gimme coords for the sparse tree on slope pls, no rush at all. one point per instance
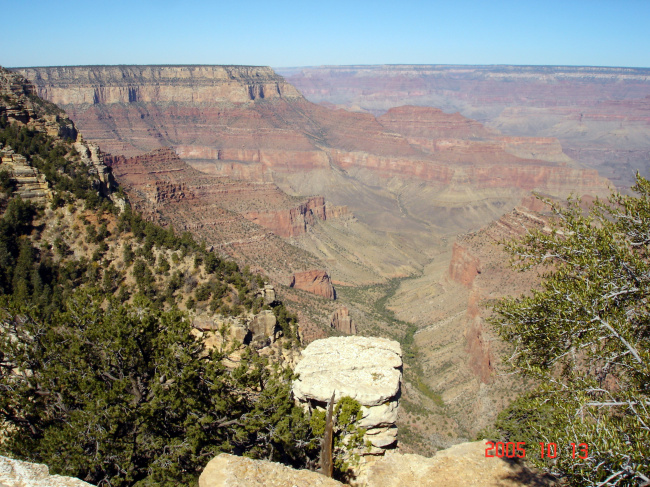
(585, 337)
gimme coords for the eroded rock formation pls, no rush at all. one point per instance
(600, 115)
(30, 183)
(249, 123)
(168, 190)
(291, 222)
(20, 106)
(317, 282)
(364, 368)
(342, 322)
(463, 465)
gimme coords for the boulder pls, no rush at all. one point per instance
(264, 328)
(382, 437)
(267, 293)
(363, 368)
(231, 471)
(463, 465)
(14, 473)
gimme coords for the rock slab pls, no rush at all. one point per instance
(463, 465)
(15, 473)
(227, 470)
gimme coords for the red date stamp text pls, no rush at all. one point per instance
(546, 450)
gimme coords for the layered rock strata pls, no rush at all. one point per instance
(215, 209)
(363, 368)
(162, 177)
(20, 106)
(30, 183)
(316, 282)
(600, 115)
(463, 266)
(249, 123)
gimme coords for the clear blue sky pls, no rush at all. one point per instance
(308, 33)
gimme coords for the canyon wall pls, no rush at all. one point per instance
(249, 123)
(92, 85)
(600, 115)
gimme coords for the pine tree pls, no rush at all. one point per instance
(125, 394)
(585, 338)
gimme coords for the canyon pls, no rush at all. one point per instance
(600, 115)
(393, 213)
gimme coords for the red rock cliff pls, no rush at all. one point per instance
(293, 221)
(316, 282)
(342, 322)
(464, 267)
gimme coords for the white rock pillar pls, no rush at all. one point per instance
(364, 368)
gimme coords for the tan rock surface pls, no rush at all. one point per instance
(231, 471)
(367, 369)
(364, 368)
(463, 465)
(264, 327)
(15, 473)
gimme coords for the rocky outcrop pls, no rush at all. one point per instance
(364, 368)
(226, 470)
(260, 330)
(264, 328)
(93, 157)
(93, 85)
(342, 322)
(317, 282)
(20, 106)
(30, 183)
(463, 465)
(463, 267)
(478, 348)
(14, 473)
(291, 222)
(267, 293)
